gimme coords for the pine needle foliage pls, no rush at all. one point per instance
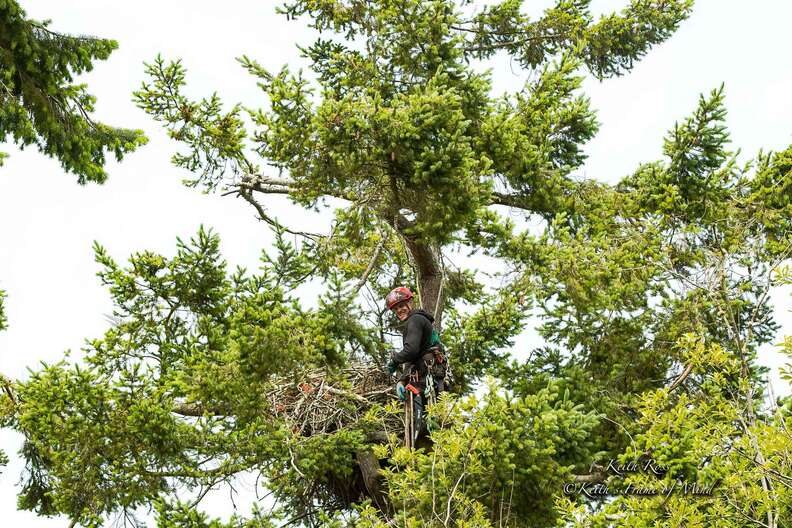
(41, 105)
(652, 296)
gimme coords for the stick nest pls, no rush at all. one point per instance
(320, 402)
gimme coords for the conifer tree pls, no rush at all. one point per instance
(40, 104)
(652, 293)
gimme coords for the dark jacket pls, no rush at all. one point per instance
(417, 337)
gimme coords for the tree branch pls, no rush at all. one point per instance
(681, 378)
(519, 201)
(198, 410)
(589, 478)
(268, 180)
(245, 192)
(513, 43)
(370, 266)
(8, 388)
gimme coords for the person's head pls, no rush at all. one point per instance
(402, 310)
(400, 301)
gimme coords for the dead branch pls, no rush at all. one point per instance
(685, 373)
(370, 266)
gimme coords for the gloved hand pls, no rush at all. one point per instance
(401, 392)
(391, 367)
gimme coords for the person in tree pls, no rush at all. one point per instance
(421, 356)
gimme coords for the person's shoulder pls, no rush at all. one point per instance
(420, 317)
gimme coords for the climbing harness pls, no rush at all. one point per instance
(434, 367)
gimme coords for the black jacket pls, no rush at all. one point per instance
(417, 337)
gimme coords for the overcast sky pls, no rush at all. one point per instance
(48, 222)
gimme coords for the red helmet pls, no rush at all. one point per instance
(398, 295)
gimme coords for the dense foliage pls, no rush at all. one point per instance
(653, 296)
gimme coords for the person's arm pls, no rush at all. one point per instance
(412, 342)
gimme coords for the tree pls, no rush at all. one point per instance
(404, 128)
(41, 106)
(724, 448)
(652, 291)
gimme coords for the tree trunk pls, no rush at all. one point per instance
(428, 269)
(370, 469)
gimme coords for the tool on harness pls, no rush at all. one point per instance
(434, 363)
(422, 385)
(413, 410)
(409, 422)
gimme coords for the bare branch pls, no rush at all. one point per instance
(685, 373)
(590, 478)
(268, 180)
(245, 192)
(597, 473)
(370, 266)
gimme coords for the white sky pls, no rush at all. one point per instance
(48, 222)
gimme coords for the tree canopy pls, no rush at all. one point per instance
(653, 296)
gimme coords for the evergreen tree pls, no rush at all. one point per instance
(652, 292)
(39, 103)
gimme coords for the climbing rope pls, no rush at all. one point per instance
(409, 426)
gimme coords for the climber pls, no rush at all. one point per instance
(421, 352)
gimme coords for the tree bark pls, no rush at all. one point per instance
(429, 275)
(370, 469)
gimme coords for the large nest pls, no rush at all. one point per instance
(320, 402)
(316, 402)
